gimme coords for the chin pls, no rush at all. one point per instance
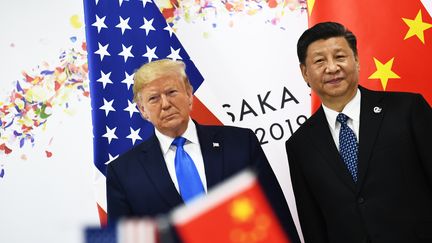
(339, 89)
(175, 124)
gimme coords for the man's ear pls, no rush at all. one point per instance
(357, 62)
(189, 91)
(142, 112)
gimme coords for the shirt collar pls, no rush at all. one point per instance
(352, 110)
(190, 134)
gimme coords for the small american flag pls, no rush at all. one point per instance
(121, 36)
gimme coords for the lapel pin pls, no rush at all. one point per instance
(215, 145)
(377, 109)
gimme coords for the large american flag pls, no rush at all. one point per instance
(121, 36)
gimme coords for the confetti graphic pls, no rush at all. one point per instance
(38, 94)
(215, 11)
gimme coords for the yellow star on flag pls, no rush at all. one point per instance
(310, 4)
(242, 209)
(416, 27)
(383, 72)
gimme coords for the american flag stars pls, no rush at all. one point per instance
(150, 53)
(107, 106)
(123, 25)
(147, 26)
(131, 108)
(110, 134)
(102, 51)
(175, 54)
(105, 79)
(134, 135)
(126, 52)
(128, 80)
(169, 29)
(144, 2)
(100, 23)
(111, 158)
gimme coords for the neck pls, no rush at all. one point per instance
(338, 104)
(174, 133)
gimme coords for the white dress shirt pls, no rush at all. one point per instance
(192, 147)
(352, 110)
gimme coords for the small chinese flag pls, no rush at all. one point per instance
(236, 211)
(394, 41)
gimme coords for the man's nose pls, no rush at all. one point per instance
(331, 66)
(165, 102)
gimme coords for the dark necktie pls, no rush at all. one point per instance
(348, 147)
(190, 184)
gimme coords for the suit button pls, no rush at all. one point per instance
(360, 200)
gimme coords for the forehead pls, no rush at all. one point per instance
(332, 44)
(163, 82)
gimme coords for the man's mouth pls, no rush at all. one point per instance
(334, 80)
(167, 117)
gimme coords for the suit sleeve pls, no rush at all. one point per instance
(310, 216)
(116, 198)
(272, 188)
(421, 120)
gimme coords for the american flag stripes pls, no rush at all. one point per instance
(121, 36)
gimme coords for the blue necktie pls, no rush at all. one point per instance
(187, 174)
(348, 147)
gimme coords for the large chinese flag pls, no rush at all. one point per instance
(236, 211)
(394, 41)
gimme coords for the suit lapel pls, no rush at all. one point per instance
(154, 164)
(372, 111)
(212, 152)
(323, 140)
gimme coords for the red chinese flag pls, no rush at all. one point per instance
(236, 211)
(394, 41)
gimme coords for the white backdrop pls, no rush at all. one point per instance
(44, 199)
(245, 58)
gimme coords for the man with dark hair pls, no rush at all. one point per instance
(361, 166)
(324, 31)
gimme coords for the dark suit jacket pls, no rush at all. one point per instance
(139, 184)
(392, 200)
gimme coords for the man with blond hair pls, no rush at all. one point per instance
(149, 180)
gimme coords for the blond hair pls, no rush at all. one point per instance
(151, 71)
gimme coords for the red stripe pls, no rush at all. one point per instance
(202, 115)
(102, 216)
